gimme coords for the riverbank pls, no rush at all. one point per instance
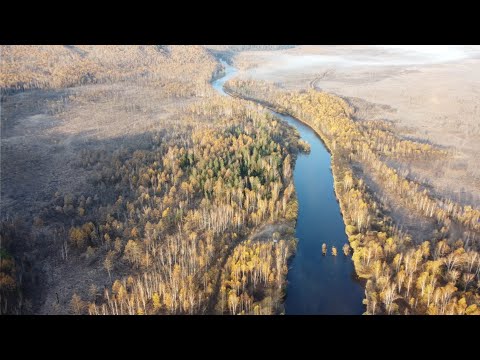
(317, 284)
(425, 95)
(279, 233)
(383, 251)
(336, 169)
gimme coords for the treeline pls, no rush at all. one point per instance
(440, 276)
(405, 277)
(256, 267)
(236, 48)
(15, 272)
(9, 283)
(332, 118)
(384, 141)
(176, 70)
(177, 207)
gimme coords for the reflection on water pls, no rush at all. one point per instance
(230, 72)
(317, 284)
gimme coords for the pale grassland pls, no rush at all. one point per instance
(429, 100)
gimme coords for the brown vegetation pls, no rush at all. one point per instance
(56, 66)
(169, 180)
(174, 219)
(404, 275)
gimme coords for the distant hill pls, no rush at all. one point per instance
(237, 48)
(227, 52)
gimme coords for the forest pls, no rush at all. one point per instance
(175, 220)
(164, 224)
(405, 274)
(169, 68)
(132, 187)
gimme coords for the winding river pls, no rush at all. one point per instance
(317, 284)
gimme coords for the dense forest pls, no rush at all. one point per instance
(405, 274)
(175, 219)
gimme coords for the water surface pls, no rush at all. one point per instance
(317, 284)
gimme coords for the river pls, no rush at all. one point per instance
(317, 284)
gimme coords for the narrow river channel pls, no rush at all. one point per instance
(317, 284)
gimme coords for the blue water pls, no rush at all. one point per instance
(230, 72)
(317, 284)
